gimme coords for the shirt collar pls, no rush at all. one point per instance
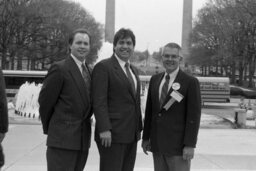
(79, 63)
(120, 61)
(173, 74)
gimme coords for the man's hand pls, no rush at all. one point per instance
(106, 138)
(188, 153)
(2, 135)
(146, 146)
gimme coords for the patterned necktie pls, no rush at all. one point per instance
(129, 75)
(86, 77)
(164, 90)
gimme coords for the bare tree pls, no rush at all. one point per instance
(227, 29)
(37, 31)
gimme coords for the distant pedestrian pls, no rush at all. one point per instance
(242, 104)
(3, 116)
(172, 116)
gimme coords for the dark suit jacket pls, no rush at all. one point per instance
(169, 131)
(3, 106)
(115, 106)
(65, 107)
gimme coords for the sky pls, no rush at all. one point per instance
(154, 22)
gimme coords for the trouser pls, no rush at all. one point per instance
(170, 163)
(1, 156)
(117, 157)
(65, 160)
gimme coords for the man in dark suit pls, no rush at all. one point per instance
(65, 107)
(116, 105)
(172, 116)
(3, 116)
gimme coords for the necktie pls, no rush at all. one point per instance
(129, 75)
(164, 89)
(86, 77)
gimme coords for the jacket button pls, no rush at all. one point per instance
(159, 114)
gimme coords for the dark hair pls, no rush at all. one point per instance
(80, 30)
(122, 34)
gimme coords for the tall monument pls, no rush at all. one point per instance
(186, 27)
(110, 21)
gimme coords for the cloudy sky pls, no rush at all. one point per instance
(154, 22)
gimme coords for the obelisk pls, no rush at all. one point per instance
(186, 27)
(110, 21)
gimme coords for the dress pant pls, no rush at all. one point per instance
(117, 157)
(1, 156)
(65, 160)
(170, 163)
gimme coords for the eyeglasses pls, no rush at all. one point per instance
(171, 56)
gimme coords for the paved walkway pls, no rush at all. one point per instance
(219, 149)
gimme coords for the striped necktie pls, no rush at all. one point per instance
(164, 90)
(129, 75)
(86, 76)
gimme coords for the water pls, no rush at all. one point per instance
(27, 100)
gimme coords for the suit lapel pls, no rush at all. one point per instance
(122, 75)
(178, 79)
(78, 79)
(156, 88)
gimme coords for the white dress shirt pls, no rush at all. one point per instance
(122, 64)
(172, 78)
(78, 63)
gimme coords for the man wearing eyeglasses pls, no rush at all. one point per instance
(172, 116)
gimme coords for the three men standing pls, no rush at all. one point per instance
(116, 105)
(172, 116)
(65, 107)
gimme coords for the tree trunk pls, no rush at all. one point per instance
(19, 60)
(245, 73)
(241, 71)
(4, 59)
(221, 69)
(28, 63)
(32, 64)
(233, 73)
(12, 60)
(251, 72)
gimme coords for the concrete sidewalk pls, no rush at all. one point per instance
(217, 150)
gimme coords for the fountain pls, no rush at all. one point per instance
(27, 100)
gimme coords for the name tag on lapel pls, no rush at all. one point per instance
(176, 96)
